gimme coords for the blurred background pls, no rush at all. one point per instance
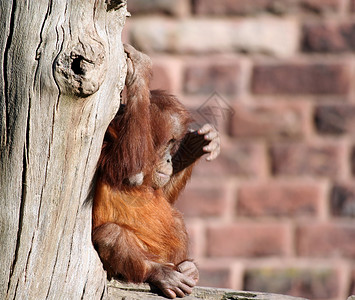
(276, 211)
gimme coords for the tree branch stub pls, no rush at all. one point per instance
(82, 70)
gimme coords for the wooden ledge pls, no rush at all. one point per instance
(126, 291)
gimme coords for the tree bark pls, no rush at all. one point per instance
(62, 70)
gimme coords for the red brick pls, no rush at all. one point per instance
(215, 110)
(196, 236)
(329, 37)
(352, 280)
(166, 74)
(273, 120)
(203, 201)
(161, 78)
(335, 119)
(212, 77)
(247, 240)
(219, 277)
(326, 240)
(301, 159)
(275, 36)
(176, 8)
(245, 160)
(310, 283)
(319, 6)
(278, 199)
(242, 7)
(342, 200)
(314, 78)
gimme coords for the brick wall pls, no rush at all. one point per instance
(275, 212)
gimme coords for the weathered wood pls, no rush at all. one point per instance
(119, 290)
(62, 71)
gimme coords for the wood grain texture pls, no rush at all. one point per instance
(118, 290)
(62, 68)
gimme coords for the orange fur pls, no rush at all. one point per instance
(146, 213)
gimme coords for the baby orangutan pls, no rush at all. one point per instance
(146, 160)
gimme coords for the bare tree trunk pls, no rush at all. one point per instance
(62, 70)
